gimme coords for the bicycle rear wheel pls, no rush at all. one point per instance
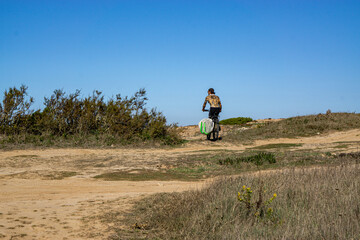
(208, 136)
(216, 132)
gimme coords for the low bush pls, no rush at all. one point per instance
(236, 121)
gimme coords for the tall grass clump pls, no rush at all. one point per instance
(79, 120)
(258, 159)
(312, 203)
(300, 126)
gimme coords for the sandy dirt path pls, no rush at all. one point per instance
(51, 193)
(67, 209)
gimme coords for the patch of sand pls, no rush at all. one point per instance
(55, 209)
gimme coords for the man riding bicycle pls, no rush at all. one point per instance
(215, 109)
(215, 103)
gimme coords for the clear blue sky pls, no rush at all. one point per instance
(265, 59)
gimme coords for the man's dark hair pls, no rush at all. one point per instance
(211, 90)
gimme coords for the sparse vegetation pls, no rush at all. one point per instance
(184, 174)
(59, 175)
(68, 119)
(257, 159)
(236, 121)
(299, 127)
(313, 203)
(278, 145)
(198, 167)
(45, 175)
(342, 146)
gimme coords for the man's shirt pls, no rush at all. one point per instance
(213, 100)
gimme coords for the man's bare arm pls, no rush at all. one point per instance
(204, 105)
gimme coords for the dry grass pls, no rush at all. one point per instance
(278, 145)
(26, 141)
(312, 203)
(299, 127)
(44, 175)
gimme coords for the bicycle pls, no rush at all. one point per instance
(215, 132)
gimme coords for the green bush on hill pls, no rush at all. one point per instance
(68, 116)
(236, 121)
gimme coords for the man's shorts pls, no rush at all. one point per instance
(214, 112)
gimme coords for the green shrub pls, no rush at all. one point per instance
(15, 110)
(120, 119)
(236, 121)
